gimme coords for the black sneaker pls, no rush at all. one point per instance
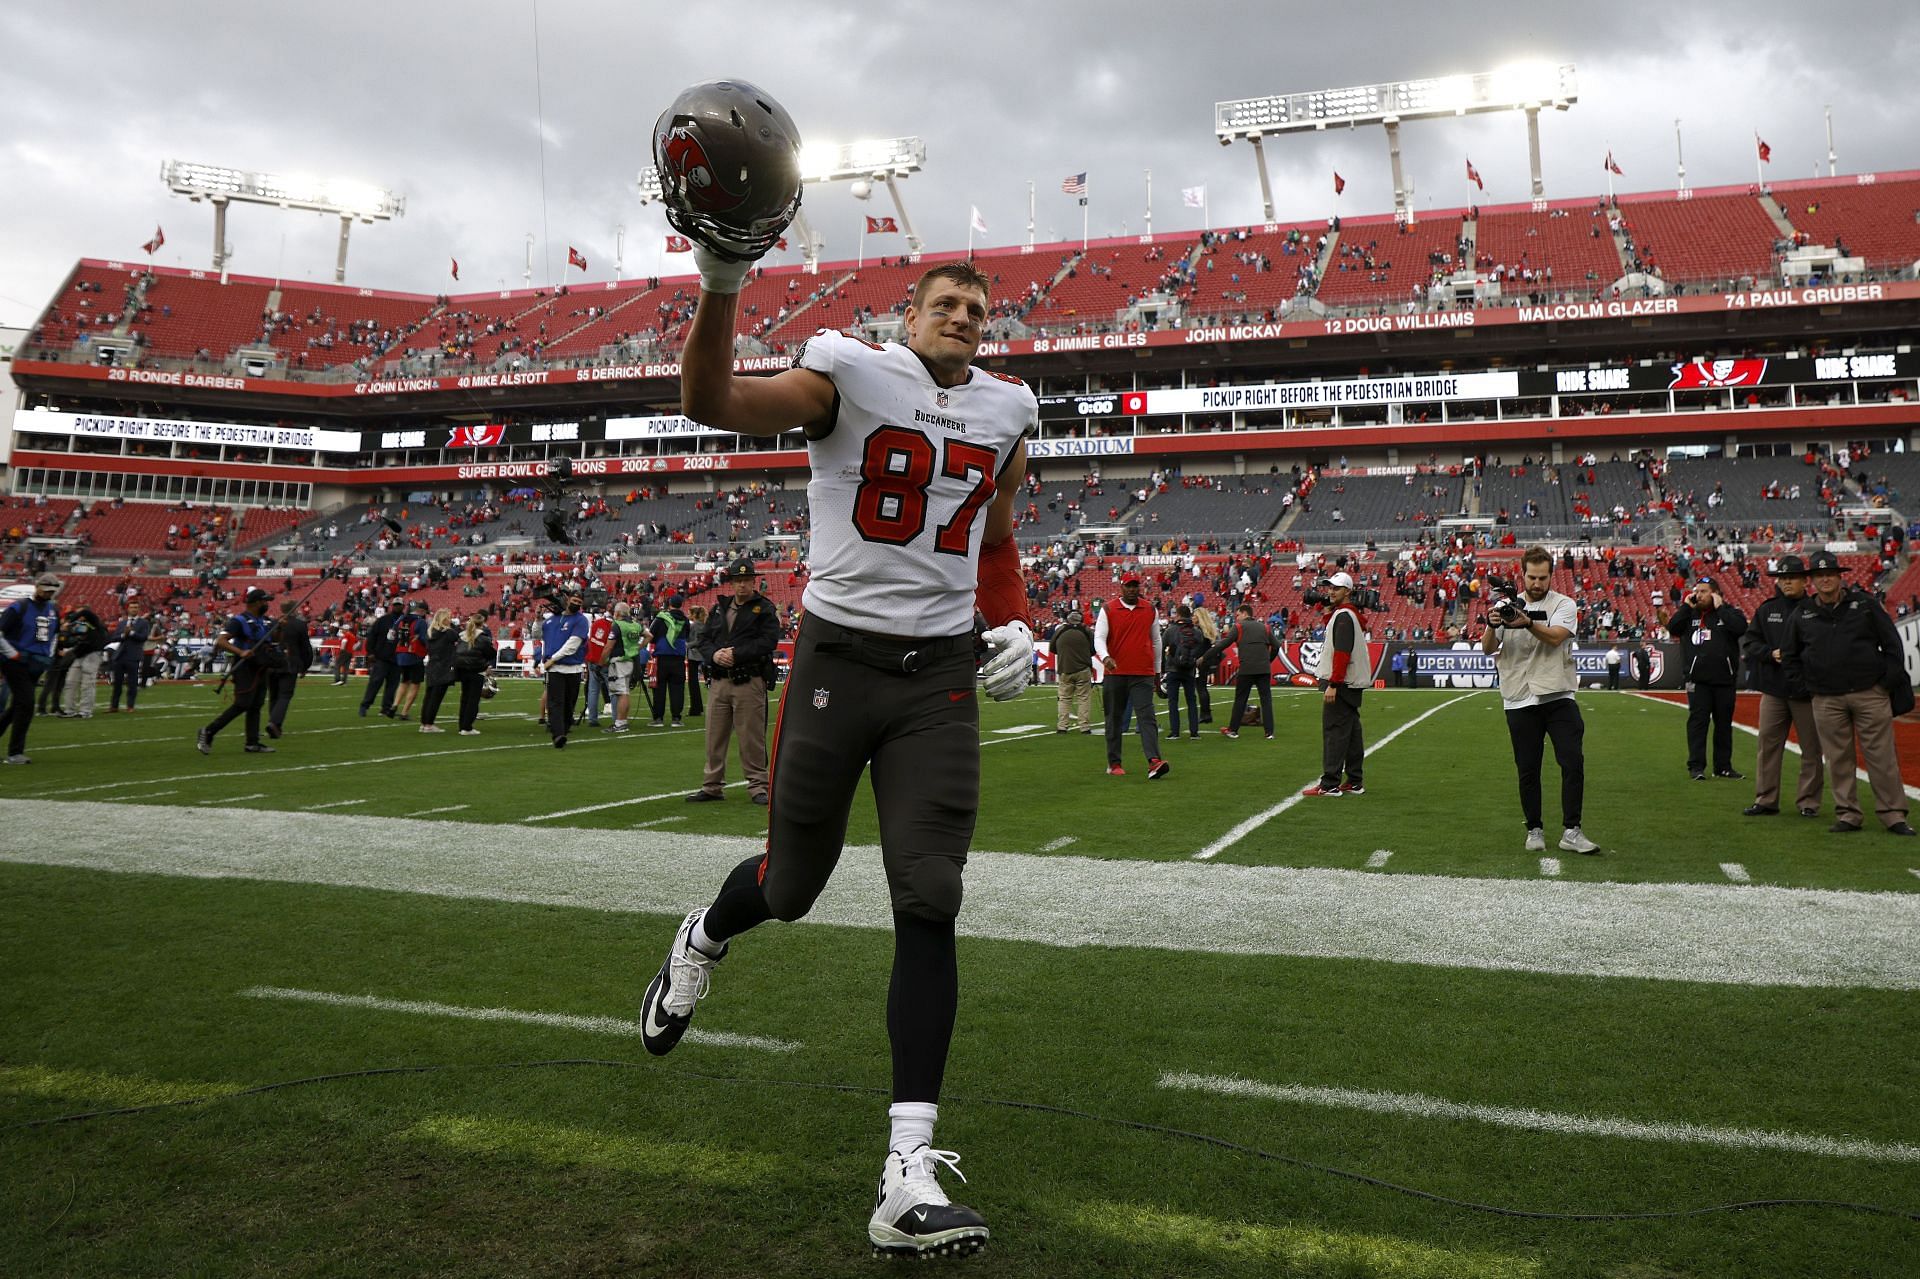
(1759, 810)
(1901, 828)
(1697, 775)
(203, 742)
(259, 748)
(1809, 812)
(560, 742)
(273, 731)
(1731, 774)
(704, 797)
(912, 1216)
(1843, 828)
(667, 1007)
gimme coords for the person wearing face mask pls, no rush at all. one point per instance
(244, 641)
(29, 628)
(1783, 706)
(563, 641)
(1708, 629)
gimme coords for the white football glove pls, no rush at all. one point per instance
(1007, 670)
(717, 274)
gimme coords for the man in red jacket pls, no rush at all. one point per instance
(1126, 640)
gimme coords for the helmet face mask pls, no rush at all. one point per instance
(729, 162)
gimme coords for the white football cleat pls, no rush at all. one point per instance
(914, 1218)
(682, 982)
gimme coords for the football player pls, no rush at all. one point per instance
(916, 459)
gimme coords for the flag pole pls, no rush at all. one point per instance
(1759, 165)
(1083, 222)
(1149, 203)
(1609, 173)
(861, 260)
(1029, 214)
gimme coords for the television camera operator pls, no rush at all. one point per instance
(1530, 637)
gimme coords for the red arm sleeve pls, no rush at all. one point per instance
(1342, 639)
(1001, 596)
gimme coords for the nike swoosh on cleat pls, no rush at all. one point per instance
(650, 1027)
(920, 1214)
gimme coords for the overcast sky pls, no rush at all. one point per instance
(443, 102)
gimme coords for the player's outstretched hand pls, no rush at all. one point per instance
(718, 274)
(1011, 662)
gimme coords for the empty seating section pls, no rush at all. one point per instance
(1706, 238)
(261, 524)
(1740, 481)
(188, 316)
(1267, 264)
(1578, 247)
(1108, 279)
(1894, 476)
(383, 322)
(1877, 222)
(1403, 259)
(880, 287)
(1236, 508)
(33, 517)
(1376, 503)
(1546, 486)
(626, 311)
(781, 293)
(142, 526)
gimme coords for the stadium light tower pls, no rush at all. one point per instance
(1526, 86)
(341, 197)
(876, 160)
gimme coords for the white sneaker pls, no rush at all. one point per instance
(1536, 840)
(682, 982)
(913, 1216)
(469, 732)
(1575, 841)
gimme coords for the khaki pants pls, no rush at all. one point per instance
(1777, 716)
(83, 684)
(1865, 715)
(1076, 701)
(737, 708)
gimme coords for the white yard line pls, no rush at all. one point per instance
(233, 799)
(1019, 728)
(1550, 866)
(1735, 872)
(450, 808)
(658, 821)
(1422, 1107)
(150, 795)
(1749, 935)
(186, 739)
(338, 803)
(564, 1021)
(1379, 859)
(1258, 820)
(617, 803)
(1027, 736)
(1913, 792)
(1055, 845)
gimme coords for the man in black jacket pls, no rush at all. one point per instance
(739, 639)
(296, 646)
(83, 643)
(383, 680)
(1708, 631)
(1842, 645)
(1782, 707)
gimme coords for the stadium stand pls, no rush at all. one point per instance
(186, 317)
(1741, 485)
(142, 527)
(1879, 222)
(1105, 281)
(1272, 267)
(1707, 237)
(1377, 261)
(1378, 503)
(1574, 245)
(1532, 498)
(1232, 507)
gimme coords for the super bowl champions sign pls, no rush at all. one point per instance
(1465, 666)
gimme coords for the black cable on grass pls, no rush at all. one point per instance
(1034, 1107)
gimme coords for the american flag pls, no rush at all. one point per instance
(1074, 184)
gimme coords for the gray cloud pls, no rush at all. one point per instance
(437, 100)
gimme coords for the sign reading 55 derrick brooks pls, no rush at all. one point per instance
(162, 430)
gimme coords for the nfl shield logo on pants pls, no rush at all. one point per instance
(819, 699)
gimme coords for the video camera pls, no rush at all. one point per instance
(1505, 605)
(1363, 598)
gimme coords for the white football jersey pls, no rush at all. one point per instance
(901, 485)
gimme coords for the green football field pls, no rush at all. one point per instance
(1207, 1027)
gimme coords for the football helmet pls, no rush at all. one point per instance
(729, 163)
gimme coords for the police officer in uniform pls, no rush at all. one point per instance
(1782, 707)
(244, 640)
(1708, 630)
(1842, 645)
(739, 639)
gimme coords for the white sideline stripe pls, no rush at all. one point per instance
(1914, 872)
(234, 799)
(450, 808)
(150, 795)
(565, 1021)
(658, 821)
(338, 803)
(1549, 866)
(1735, 872)
(617, 803)
(1379, 859)
(185, 740)
(1717, 933)
(1792, 743)
(1423, 1107)
(1258, 820)
(1028, 736)
(1055, 845)
(1019, 728)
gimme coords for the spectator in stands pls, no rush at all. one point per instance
(1708, 630)
(1071, 645)
(83, 642)
(1842, 644)
(1783, 706)
(442, 638)
(739, 640)
(382, 675)
(29, 629)
(129, 643)
(1126, 639)
(296, 648)
(410, 657)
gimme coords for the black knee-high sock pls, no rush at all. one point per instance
(921, 1003)
(740, 905)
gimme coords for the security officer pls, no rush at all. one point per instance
(1841, 644)
(1782, 707)
(740, 636)
(29, 629)
(1708, 630)
(244, 640)
(1072, 647)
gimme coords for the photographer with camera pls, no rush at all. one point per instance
(245, 640)
(1530, 638)
(739, 640)
(1709, 629)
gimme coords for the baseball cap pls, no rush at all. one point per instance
(418, 606)
(1788, 566)
(1824, 562)
(1338, 579)
(1707, 582)
(675, 601)
(47, 579)
(1133, 580)
(740, 569)
(255, 595)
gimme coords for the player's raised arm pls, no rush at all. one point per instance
(728, 156)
